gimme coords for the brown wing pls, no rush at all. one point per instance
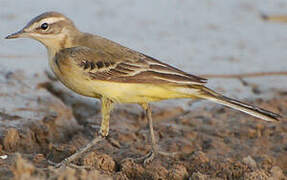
(135, 68)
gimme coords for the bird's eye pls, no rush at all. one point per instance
(44, 26)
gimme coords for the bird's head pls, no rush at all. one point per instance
(52, 29)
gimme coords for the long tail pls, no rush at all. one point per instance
(208, 94)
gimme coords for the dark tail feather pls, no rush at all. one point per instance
(235, 104)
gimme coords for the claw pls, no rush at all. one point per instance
(57, 165)
(148, 159)
(67, 161)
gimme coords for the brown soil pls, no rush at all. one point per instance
(40, 120)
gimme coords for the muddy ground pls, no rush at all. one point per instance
(40, 120)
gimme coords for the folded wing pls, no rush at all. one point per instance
(133, 68)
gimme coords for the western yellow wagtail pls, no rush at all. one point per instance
(97, 67)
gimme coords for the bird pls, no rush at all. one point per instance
(97, 67)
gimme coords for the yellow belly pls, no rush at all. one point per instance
(124, 92)
(136, 92)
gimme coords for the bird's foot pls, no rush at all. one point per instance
(149, 157)
(76, 155)
(61, 164)
(146, 159)
(64, 164)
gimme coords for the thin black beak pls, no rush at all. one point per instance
(275, 18)
(16, 35)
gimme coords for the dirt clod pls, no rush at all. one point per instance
(277, 173)
(249, 162)
(99, 161)
(11, 139)
(22, 169)
(199, 176)
(131, 169)
(178, 172)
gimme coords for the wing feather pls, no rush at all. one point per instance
(129, 69)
